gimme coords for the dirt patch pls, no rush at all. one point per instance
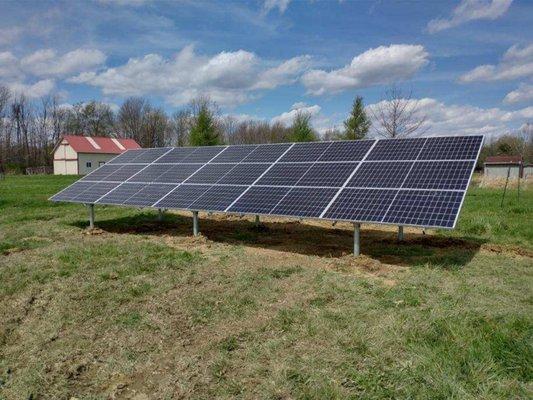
(507, 249)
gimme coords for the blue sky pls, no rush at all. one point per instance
(468, 64)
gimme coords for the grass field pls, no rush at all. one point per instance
(139, 309)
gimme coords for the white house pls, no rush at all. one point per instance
(79, 155)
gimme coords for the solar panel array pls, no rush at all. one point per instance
(420, 182)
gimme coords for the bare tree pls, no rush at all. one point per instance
(398, 115)
(130, 118)
(180, 126)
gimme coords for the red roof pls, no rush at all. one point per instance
(97, 144)
(503, 160)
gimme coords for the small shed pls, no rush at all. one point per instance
(499, 166)
(79, 155)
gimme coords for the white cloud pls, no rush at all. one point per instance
(35, 90)
(229, 78)
(443, 119)
(48, 63)
(286, 118)
(522, 94)
(281, 5)
(373, 67)
(469, 10)
(9, 66)
(517, 62)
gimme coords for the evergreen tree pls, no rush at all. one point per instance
(301, 130)
(357, 125)
(204, 132)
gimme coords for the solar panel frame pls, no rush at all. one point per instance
(262, 153)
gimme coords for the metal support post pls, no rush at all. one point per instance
(400, 233)
(257, 221)
(356, 239)
(90, 209)
(160, 214)
(195, 223)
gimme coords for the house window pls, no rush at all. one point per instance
(101, 163)
(88, 164)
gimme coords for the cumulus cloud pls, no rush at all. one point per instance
(376, 66)
(443, 119)
(469, 10)
(281, 5)
(35, 90)
(517, 62)
(286, 118)
(48, 63)
(9, 66)
(522, 94)
(229, 78)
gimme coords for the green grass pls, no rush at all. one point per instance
(140, 307)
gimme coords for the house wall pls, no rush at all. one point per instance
(94, 159)
(65, 160)
(528, 172)
(500, 171)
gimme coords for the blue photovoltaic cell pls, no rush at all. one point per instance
(203, 154)
(217, 198)
(150, 155)
(149, 195)
(72, 191)
(124, 173)
(396, 149)
(176, 155)
(266, 153)
(453, 175)
(451, 148)
(183, 196)
(380, 174)
(151, 173)
(304, 202)
(284, 174)
(126, 157)
(259, 200)
(96, 191)
(307, 152)
(210, 173)
(243, 174)
(121, 193)
(347, 151)
(424, 208)
(101, 173)
(363, 205)
(178, 173)
(234, 154)
(326, 174)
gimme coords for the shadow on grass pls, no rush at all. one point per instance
(295, 237)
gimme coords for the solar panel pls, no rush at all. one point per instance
(439, 175)
(424, 208)
(304, 202)
(396, 149)
(259, 200)
(176, 155)
(386, 174)
(234, 154)
(347, 151)
(327, 174)
(217, 198)
(266, 153)
(420, 182)
(284, 174)
(210, 173)
(182, 197)
(364, 205)
(305, 152)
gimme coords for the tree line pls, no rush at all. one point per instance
(29, 129)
